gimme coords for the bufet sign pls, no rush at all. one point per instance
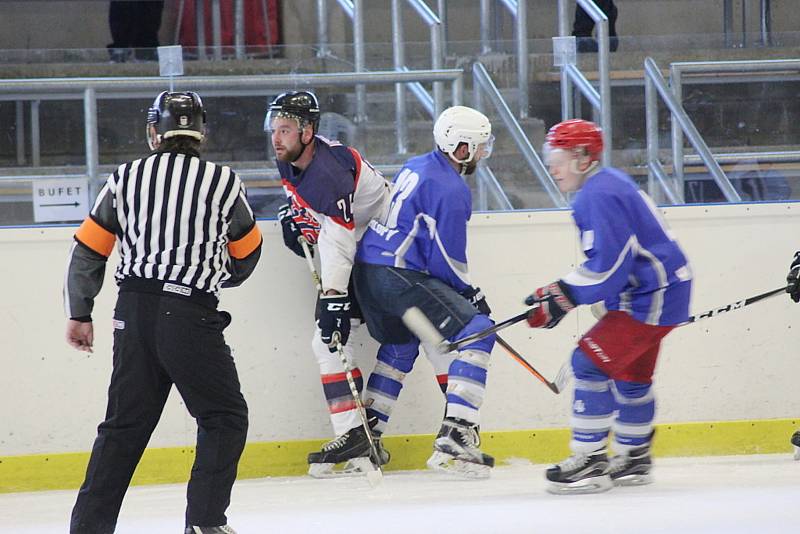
(60, 200)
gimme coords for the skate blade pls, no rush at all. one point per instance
(636, 479)
(355, 467)
(796, 452)
(449, 464)
(581, 487)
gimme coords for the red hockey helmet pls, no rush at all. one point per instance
(576, 133)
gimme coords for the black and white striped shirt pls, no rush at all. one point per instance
(173, 217)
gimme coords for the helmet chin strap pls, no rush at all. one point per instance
(462, 163)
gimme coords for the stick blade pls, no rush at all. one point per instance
(423, 328)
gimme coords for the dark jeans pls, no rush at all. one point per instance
(584, 25)
(385, 293)
(135, 25)
(162, 340)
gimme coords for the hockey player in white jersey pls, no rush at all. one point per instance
(416, 256)
(638, 270)
(332, 194)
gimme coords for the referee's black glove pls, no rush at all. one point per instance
(291, 233)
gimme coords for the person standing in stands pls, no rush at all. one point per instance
(134, 29)
(183, 230)
(584, 25)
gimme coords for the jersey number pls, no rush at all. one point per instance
(403, 187)
(345, 205)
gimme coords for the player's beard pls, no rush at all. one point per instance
(470, 167)
(290, 154)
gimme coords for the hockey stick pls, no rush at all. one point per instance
(420, 325)
(522, 361)
(373, 477)
(734, 305)
(417, 322)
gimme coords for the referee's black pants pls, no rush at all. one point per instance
(162, 340)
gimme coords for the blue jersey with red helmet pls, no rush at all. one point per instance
(633, 262)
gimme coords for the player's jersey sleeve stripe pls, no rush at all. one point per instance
(241, 248)
(96, 237)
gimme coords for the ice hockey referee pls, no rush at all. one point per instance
(183, 230)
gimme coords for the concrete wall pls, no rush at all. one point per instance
(84, 24)
(741, 365)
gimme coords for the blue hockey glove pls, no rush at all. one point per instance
(334, 316)
(552, 303)
(793, 278)
(291, 232)
(476, 297)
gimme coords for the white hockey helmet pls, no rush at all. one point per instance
(460, 124)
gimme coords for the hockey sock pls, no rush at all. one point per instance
(592, 406)
(635, 405)
(386, 381)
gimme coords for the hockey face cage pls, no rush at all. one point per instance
(175, 114)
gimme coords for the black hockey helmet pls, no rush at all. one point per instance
(299, 105)
(174, 114)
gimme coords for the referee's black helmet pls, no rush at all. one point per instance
(174, 114)
(299, 105)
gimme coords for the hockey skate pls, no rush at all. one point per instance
(633, 468)
(796, 444)
(580, 473)
(224, 529)
(455, 450)
(351, 449)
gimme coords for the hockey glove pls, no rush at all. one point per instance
(291, 232)
(476, 297)
(552, 303)
(334, 316)
(793, 278)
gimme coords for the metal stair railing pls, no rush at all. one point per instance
(572, 76)
(434, 105)
(655, 85)
(484, 86)
(519, 12)
(781, 69)
(355, 12)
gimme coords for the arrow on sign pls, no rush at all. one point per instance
(73, 204)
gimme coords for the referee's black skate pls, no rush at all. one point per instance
(580, 473)
(456, 450)
(796, 444)
(224, 529)
(351, 449)
(633, 468)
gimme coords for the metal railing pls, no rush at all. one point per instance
(655, 85)
(90, 89)
(434, 105)
(484, 86)
(519, 12)
(742, 70)
(764, 19)
(354, 10)
(571, 75)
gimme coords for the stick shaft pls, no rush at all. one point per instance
(522, 361)
(735, 305)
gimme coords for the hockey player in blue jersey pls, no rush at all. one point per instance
(416, 256)
(637, 269)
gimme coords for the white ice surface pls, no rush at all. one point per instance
(725, 495)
